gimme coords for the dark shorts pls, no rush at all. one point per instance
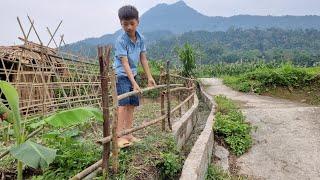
(124, 86)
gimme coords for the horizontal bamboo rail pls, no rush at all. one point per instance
(178, 76)
(179, 89)
(88, 170)
(122, 96)
(57, 101)
(128, 131)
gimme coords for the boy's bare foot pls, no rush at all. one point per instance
(123, 142)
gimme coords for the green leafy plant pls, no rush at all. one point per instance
(265, 78)
(73, 155)
(230, 124)
(28, 152)
(41, 156)
(170, 165)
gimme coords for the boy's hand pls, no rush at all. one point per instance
(136, 87)
(151, 82)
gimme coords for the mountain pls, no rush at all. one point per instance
(272, 44)
(167, 20)
(180, 18)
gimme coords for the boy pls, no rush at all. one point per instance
(129, 50)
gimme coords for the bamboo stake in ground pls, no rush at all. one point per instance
(115, 149)
(162, 98)
(189, 92)
(168, 95)
(179, 99)
(104, 66)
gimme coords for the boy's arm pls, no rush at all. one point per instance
(126, 67)
(145, 66)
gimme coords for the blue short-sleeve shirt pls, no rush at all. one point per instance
(125, 47)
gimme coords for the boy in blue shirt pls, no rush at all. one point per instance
(129, 50)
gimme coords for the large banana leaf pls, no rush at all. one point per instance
(12, 97)
(33, 154)
(73, 116)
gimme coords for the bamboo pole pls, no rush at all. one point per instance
(104, 66)
(76, 99)
(131, 93)
(24, 34)
(179, 99)
(88, 170)
(52, 36)
(181, 88)
(128, 131)
(168, 95)
(181, 77)
(115, 149)
(162, 99)
(188, 104)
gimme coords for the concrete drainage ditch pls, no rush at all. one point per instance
(196, 164)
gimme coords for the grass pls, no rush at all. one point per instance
(72, 157)
(156, 156)
(230, 126)
(232, 69)
(216, 173)
(287, 81)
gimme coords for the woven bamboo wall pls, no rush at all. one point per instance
(48, 81)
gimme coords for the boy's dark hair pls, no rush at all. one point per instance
(128, 12)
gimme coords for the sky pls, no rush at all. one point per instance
(94, 18)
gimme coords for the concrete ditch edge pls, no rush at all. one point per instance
(196, 164)
(183, 127)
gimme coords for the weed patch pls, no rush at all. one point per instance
(231, 126)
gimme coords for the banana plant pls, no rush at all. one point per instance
(28, 152)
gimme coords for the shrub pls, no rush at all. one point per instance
(170, 165)
(230, 124)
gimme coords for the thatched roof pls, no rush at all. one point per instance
(28, 53)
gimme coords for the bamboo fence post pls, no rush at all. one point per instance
(115, 149)
(179, 99)
(168, 95)
(104, 68)
(162, 98)
(189, 92)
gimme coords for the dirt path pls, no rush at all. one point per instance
(287, 139)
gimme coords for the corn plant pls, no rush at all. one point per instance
(187, 57)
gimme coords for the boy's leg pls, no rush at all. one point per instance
(122, 116)
(129, 123)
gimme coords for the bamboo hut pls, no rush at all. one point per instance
(48, 80)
